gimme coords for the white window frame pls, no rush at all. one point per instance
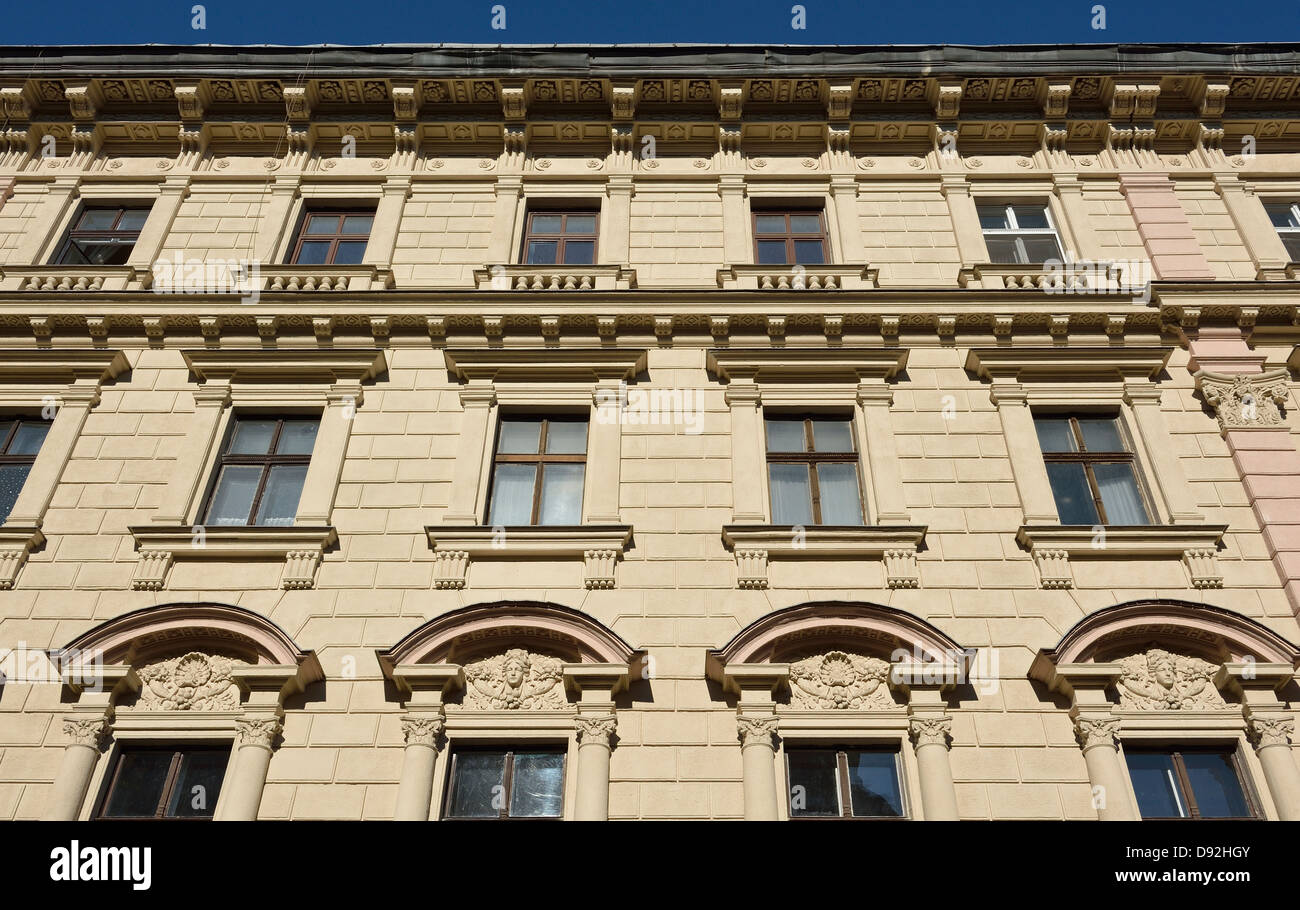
(1009, 208)
(1286, 233)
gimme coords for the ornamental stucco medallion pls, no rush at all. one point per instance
(192, 682)
(838, 680)
(515, 680)
(1161, 681)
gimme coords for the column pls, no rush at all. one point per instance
(500, 244)
(48, 221)
(210, 400)
(600, 503)
(322, 480)
(965, 219)
(930, 735)
(594, 732)
(748, 456)
(1097, 736)
(1069, 190)
(1271, 735)
(844, 193)
(74, 404)
(246, 778)
(388, 219)
(85, 733)
(616, 221)
(1144, 399)
(1036, 499)
(886, 482)
(477, 399)
(1253, 224)
(758, 752)
(275, 219)
(415, 792)
(737, 238)
(159, 223)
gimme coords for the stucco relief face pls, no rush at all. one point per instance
(515, 680)
(1160, 680)
(839, 680)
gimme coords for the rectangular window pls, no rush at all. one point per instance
(102, 235)
(844, 783)
(1092, 470)
(561, 238)
(1190, 784)
(261, 472)
(812, 470)
(489, 783)
(538, 472)
(789, 238)
(1019, 234)
(333, 237)
(1286, 218)
(165, 783)
(20, 441)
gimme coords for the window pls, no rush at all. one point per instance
(1019, 234)
(538, 473)
(1091, 468)
(1191, 784)
(102, 235)
(165, 783)
(494, 784)
(333, 238)
(20, 440)
(790, 238)
(1286, 218)
(261, 472)
(812, 470)
(844, 783)
(560, 238)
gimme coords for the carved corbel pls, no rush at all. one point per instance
(191, 100)
(1245, 401)
(84, 98)
(297, 103)
(406, 100)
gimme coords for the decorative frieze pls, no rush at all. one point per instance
(516, 680)
(838, 680)
(1159, 680)
(192, 682)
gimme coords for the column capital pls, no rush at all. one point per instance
(875, 394)
(596, 728)
(1093, 731)
(258, 731)
(756, 729)
(479, 396)
(1008, 393)
(1270, 730)
(1141, 393)
(930, 731)
(85, 730)
(210, 395)
(954, 185)
(732, 184)
(423, 730)
(743, 393)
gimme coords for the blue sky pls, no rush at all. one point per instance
(642, 21)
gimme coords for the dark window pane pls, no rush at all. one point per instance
(542, 252)
(771, 252)
(297, 437)
(313, 252)
(566, 437)
(993, 218)
(579, 252)
(1120, 496)
(105, 252)
(477, 785)
(198, 784)
(1041, 248)
(537, 785)
(1055, 435)
(350, 252)
(97, 220)
(770, 224)
(1292, 244)
(252, 437)
(809, 252)
(814, 783)
(1215, 785)
(546, 224)
(580, 224)
(785, 436)
(280, 498)
(805, 224)
(28, 438)
(873, 784)
(132, 219)
(1031, 217)
(1074, 503)
(1003, 250)
(138, 784)
(1283, 216)
(5, 427)
(561, 495)
(832, 436)
(73, 255)
(357, 224)
(841, 503)
(512, 494)
(791, 496)
(233, 498)
(1102, 435)
(1155, 783)
(322, 224)
(12, 477)
(520, 437)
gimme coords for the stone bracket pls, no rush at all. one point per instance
(301, 549)
(15, 545)
(1053, 547)
(599, 546)
(754, 545)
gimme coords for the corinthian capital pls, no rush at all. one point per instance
(930, 731)
(257, 731)
(422, 730)
(85, 731)
(596, 728)
(758, 729)
(1096, 731)
(1244, 402)
(1271, 730)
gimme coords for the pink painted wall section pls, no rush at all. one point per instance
(1163, 225)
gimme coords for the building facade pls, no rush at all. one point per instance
(659, 432)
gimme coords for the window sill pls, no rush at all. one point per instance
(1094, 277)
(599, 546)
(754, 545)
(300, 547)
(848, 277)
(325, 278)
(1053, 546)
(554, 278)
(15, 544)
(73, 278)
(1288, 272)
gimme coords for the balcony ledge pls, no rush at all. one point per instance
(1053, 546)
(754, 545)
(74, 278)
(599, 546)
(554, 278)
(846, 277)
(301, 548)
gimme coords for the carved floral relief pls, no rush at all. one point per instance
(839, 680)
(1160, 681)
(515, 680)
(192, 682)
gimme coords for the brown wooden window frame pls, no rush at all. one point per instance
(113, 235)
(7, 440)
(267, 462)
(790, 236)
(507, 781)
(1186, 792)
(334, 239)
(812, 459)
(843, 784)
(540, 460)
(562, 238)
(169, 783)
(1088, 459)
